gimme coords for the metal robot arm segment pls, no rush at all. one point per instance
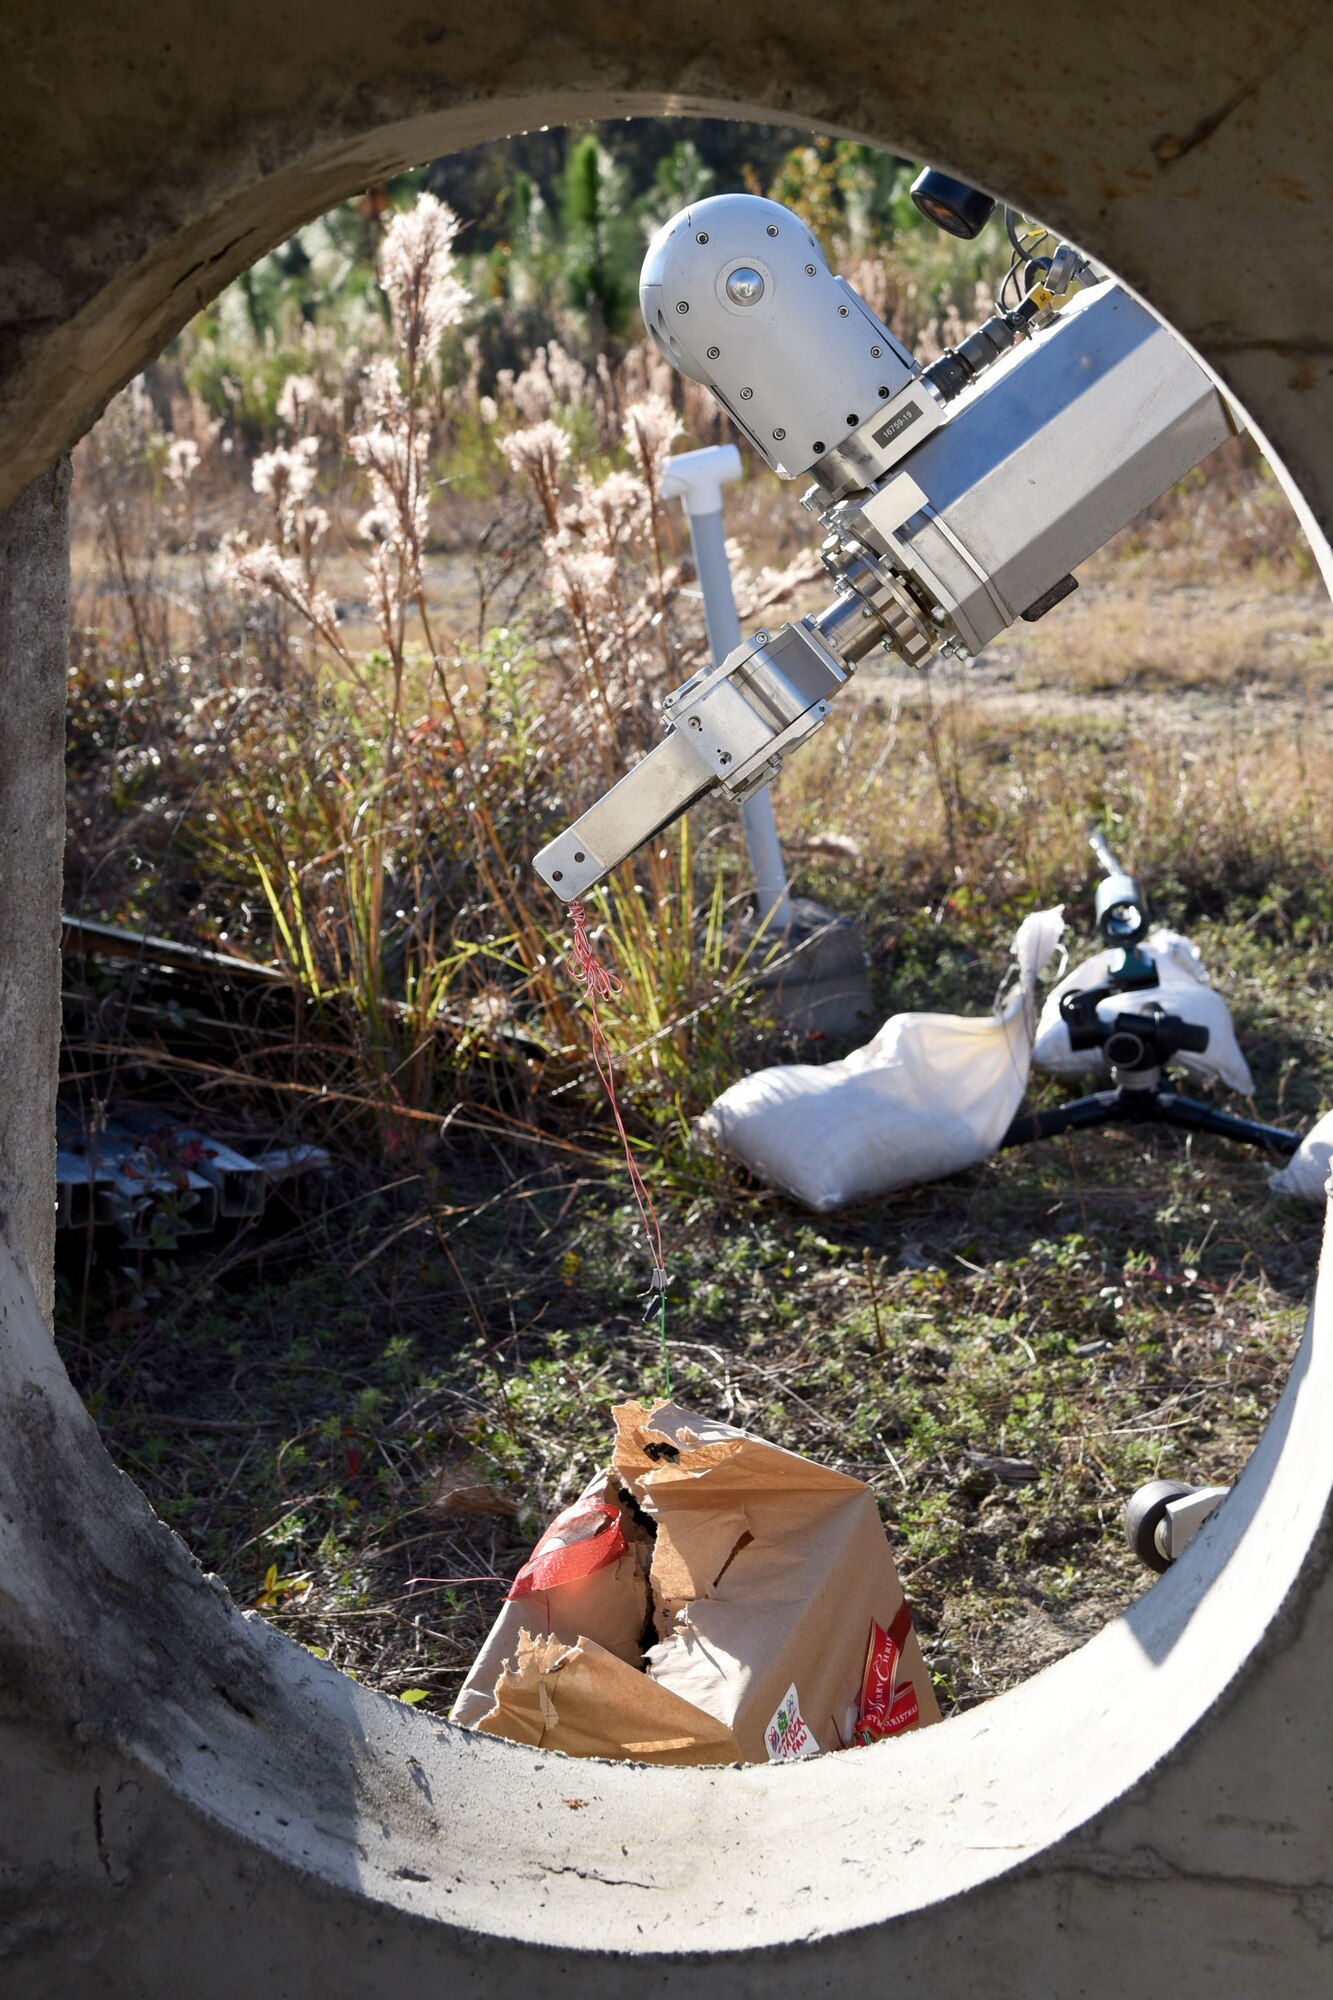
(728, 728)
(954, 499)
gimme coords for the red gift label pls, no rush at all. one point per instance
(884, 1707)
(582, 1539)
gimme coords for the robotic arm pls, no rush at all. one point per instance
(954, 498)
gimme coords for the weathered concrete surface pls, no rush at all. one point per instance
(819, 979)
(151, 149)
(194, 1805)
(188, 1803)
(34, 627)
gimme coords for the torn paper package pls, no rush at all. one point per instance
(930, 1095)
(561, 1599)
(1305, 1176)
(1184, 989)
(746, 1608)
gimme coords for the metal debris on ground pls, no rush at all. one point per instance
(142, 1170)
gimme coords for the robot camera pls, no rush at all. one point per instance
(951, 205)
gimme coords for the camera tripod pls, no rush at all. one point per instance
(1138, 1047)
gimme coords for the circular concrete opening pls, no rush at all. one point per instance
(176, 1763)
(976, 1653)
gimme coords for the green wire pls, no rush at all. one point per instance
(666, 1358)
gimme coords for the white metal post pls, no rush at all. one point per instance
(696, 478)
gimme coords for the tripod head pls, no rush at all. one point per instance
(1140, 1046)
(1131, 1043)
(1136, 1045)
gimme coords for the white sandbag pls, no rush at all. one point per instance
(930, 1095)
(1305, 1176)
(1184, 990)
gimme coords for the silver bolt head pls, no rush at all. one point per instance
(745, 287)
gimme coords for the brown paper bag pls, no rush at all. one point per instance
(610, 1606)
(584, 1701)
(781, 1627)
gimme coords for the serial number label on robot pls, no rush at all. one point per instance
(898, 423)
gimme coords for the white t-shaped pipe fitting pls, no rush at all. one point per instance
(697, 477)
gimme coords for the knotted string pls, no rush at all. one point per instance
(600, 983)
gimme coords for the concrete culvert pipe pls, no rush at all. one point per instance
(189, 1803)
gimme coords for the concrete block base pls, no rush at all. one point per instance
(818, 980)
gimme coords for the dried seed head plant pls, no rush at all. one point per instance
(390, 779)
(385, 809)
(376, 824)
(540, 453)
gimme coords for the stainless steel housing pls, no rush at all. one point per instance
(1060, 445)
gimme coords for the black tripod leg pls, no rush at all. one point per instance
(1196, 1117)
(1104, 1107)
(1153, 1107)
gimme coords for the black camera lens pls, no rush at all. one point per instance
(950, 204)
(1121, 908)
(1122, 922)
